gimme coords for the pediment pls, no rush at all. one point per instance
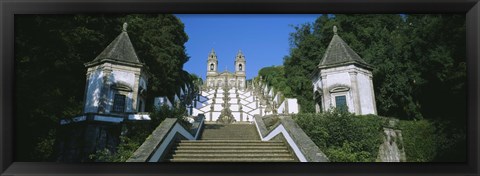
(122, 86)
(340, 88)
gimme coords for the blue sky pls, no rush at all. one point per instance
(263, 39)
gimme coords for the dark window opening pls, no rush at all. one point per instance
(240, 67)
(341, 102)
(211, 67)
(119, 103)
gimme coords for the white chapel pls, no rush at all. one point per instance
(343, 79)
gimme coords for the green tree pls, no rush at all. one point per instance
(50, 51)
(416, 59)
(305, 53)
(275, 76)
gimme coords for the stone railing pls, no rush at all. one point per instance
(302, 146)
(112, 118)
(157, 145)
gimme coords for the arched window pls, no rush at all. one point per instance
(240, 67)
(211, 67)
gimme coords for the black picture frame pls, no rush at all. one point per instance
(10, 8)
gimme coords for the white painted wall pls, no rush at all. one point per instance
(215, 116)
(94, 87)
(340, 76)
(217, 107)
(236, 115)
(95, 84)
(293, 107)
(233, 101)
(234, 107)
(196, 111)
(246, 109)
(160, 101)
(367, 95)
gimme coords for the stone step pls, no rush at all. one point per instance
(214, 147)
(230, 144)
(229, 141)
(229, 137)
(222, 138)
(286, 159)
(231, 155)
(192, 151)
(226, 137)
(239, 133)
(229, 131)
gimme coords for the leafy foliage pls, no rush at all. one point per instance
(426, 140)
(50, 51)
(136, 134)
(416, 59)
(343, 136)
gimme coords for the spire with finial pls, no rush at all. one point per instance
(125, 25)
(240, 55)
(212, 54)
(119, 50)
(339, 53)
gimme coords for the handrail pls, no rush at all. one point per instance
(303, 147)
(157, 144)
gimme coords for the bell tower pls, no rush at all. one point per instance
(240, 70)
(212, 65)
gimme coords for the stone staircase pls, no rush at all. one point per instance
(230, 143)
(230, 132)
(242, 103)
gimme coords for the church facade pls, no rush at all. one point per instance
(216, 79)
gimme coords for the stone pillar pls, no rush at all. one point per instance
(86, 92)
(326, 101)
(135, 92)
(286, 105)
(317, 108)
(241, 113)
(355, 92)
(373, 94)
(105, 90)
(211, 112)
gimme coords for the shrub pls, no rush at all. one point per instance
(136, 133)
(427, 141)
(343, 136)
(124, 150)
